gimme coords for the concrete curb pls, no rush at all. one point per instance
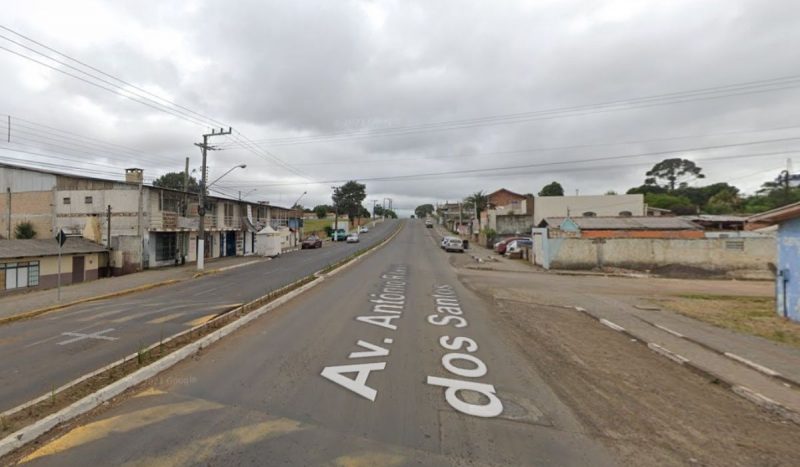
(738, 359)
(48, 309)
(742, 391)
(31, 432)
(94, 298)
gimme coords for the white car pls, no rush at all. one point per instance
(454, 244)
(363, 229)
(352, 238)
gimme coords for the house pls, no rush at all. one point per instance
(587, 206)
(651, 211)
(787, 287)
(717, 222)
(33, 264)
(508, 213)
(665, 245)
(144, 226)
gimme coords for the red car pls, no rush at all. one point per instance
(311, 242)
(500, 247)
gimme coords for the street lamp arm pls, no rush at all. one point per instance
(240, 166)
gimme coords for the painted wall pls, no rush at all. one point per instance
(741, 257)
(601, 205)
(48, 269)
(788, 286)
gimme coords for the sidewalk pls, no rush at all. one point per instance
(21, 303)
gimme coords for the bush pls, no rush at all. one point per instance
(24, 230)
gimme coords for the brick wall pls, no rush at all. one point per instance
(32, 206)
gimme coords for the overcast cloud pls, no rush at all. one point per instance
(279, 69)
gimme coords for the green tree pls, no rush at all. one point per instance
(174, 181)
(552, 189)
(348, 198)
(423, 210)
(391, 214)
(378, 210)
(24, 231)
(676, 204)
(672, 172)
(478, 202)
(322, 210)
(723, 202)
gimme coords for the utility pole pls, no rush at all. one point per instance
(374, 203)
(186, 177)
(109, 227)
(201, 209)
(336, 216)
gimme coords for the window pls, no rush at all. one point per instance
(589, 214)
(166, 244)
(625, 214)
(67, 201)
(19, 275)
(87, 200)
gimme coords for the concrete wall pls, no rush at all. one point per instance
(788, 286)
(742, 257)
(513, 225)
(602, 205)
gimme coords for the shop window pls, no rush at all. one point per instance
(166, 244)
(19, 275)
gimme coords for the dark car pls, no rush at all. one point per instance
(500, 247)
(312, 242)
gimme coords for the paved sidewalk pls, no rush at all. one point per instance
(21, 303)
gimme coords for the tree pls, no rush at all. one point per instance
(723, 202)
(678, 204)
(673, 171)
(391, 214)
(378, 210)
(322, 210)
(478, 203)
(553, 189)
(348, 198)
(423, 210)
(611, 193)
(174, 181)
(24, 231)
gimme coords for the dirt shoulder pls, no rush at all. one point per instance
(649, 410)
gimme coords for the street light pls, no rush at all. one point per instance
(240, 166)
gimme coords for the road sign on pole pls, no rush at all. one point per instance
(61, 237)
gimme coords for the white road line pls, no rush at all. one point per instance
(666, 329)
(752, 364)
(77, 336)
(667, 353)
(613, 326)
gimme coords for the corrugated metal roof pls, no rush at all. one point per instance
(625, 223)
(46, 247)
(714, 218)
(774, 216)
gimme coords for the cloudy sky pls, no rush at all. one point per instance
(423, 101)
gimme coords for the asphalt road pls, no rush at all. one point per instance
(46, 352)
(353, 372)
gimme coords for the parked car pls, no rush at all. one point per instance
(363, 229)
(428, 223)
(517, 245)
(311, 242)
(500, 247)
(454, 244)
(444, 241)
(352, 238)
(339, 235)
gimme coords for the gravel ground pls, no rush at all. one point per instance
(645, 408)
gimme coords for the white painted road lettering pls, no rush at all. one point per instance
(387, 306)
(459, 363)
(78, 336)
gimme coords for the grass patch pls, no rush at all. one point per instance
(746, 314)
(316, 226)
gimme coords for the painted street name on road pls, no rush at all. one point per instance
(387, 306)
(449, 312)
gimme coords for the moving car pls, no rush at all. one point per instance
(339, 235)
(352, 238)
(428, 223)
(363, 229)
(311, 241)
(454, 244)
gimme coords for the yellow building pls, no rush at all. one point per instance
(33, 264)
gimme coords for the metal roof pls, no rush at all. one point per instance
(624, 223)
(46, 247)
(777, 215)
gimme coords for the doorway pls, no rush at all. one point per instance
(78, 267)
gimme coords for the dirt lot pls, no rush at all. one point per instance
(647, 409)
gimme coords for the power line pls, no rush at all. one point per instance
(751, 87)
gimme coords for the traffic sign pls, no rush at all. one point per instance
(61, 237)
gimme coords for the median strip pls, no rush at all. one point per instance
(38, 416)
